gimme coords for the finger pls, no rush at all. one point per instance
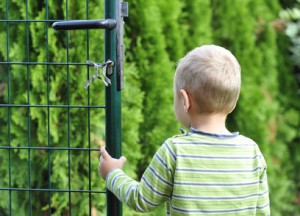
(104, 153)
(123, 160)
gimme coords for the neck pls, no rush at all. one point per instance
(210, 123)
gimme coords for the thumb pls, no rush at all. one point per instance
(123, 160)
(104, 153)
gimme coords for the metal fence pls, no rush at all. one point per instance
(48, 166)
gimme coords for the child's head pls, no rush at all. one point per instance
(211, 75)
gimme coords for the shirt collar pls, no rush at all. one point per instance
(213, 135)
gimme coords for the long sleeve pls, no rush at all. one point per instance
(155, 186)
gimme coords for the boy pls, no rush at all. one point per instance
(208, 171)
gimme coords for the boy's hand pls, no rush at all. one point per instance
(107, 163)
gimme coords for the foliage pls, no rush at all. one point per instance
(158, 34)
(261, 104)
(154, 66)
(292, 16)
(59, 126)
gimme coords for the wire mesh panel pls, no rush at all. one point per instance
(51, 127)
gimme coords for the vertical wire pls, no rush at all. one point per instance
(8, 110)
(68, 93)
(28, 114)
(48, 109)
(89, 112)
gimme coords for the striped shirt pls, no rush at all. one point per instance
(199, 174)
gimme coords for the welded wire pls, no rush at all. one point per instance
(49, 147)
(28, 113)
(68, 95)
(8, 110)
(53, 190)
(27, 20)
(48, 112)
(41, 63)
(89, 111)
(52, 106)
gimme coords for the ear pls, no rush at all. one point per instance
(186, 100)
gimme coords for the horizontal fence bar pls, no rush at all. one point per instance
(52, 106)
(42, 63)
(26, 21)
(51, 190)
(49, 148)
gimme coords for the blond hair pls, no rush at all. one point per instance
(211, 75)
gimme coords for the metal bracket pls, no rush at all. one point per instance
(124, 9)
(106, 69)
(123, 12)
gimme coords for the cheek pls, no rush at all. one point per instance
(177, 108)
(181, 116)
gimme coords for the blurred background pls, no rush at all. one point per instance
(263, 35)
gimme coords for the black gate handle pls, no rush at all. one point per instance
(85, 24)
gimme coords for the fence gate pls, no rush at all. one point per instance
(60, 100)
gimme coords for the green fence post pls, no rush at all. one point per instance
(115, 10)
(113, 102)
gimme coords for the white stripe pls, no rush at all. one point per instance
(183, 197)
(217, 170)
(154, 189)
(212, 144)
(170, 151)
(264, 206)
(216, 184)
(198, 211)
(163, 162)
(217, 157)
(140, 209)
(129, 190)
(148, 202)
(159, 177)
(114, 180)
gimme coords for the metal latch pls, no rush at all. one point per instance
(106, 69)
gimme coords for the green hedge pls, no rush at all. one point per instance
(158, 33)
